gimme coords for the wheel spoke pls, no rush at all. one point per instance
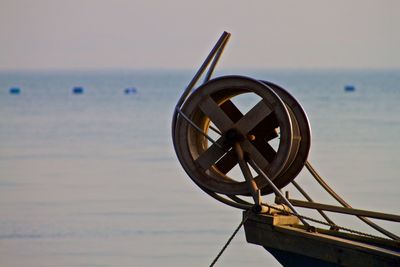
(232, 111)
(266, 128)
(265, 149)
(253, 117)
(227, 162)
(211, 155)
(215, 114)
(255, 154)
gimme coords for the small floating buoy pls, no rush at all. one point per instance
(15, 90)
(130, 90)
(78, 90)
(349, 88)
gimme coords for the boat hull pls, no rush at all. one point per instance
(292, 245)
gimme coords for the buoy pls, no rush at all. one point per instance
(130, 90)
(349, 88)
(15, 91)
(78, 90)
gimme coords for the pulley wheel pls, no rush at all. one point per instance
(212, 104)
(302, 129)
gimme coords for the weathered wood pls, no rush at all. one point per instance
(211, 155)
(215, 113)
(252, 118)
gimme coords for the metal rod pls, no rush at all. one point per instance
(322, 182)
(255, 192)
(215, 130)
(195, 79)
(328, 189)
(358, 212)
(244, 206)
(238, 199)
(216, 59)
(197, 128)
(277, 191)
(203, 67)
(298, 187)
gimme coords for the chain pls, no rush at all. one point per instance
(329, 224)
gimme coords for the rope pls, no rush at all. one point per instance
(229, 240)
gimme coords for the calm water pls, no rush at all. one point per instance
(92, 180)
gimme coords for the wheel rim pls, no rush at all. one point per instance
(211, 102)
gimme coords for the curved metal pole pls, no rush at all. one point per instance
(239, 200)
(328, 189)
(217, 47)
(234, 204)
(216, 58)
(298, 187)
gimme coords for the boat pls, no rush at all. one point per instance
(212, 136)
(293, 244)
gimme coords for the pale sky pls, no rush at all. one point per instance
(170, 34)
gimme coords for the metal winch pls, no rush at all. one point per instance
(212, 135)
(257, 128)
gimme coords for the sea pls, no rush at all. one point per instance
(92, 179)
